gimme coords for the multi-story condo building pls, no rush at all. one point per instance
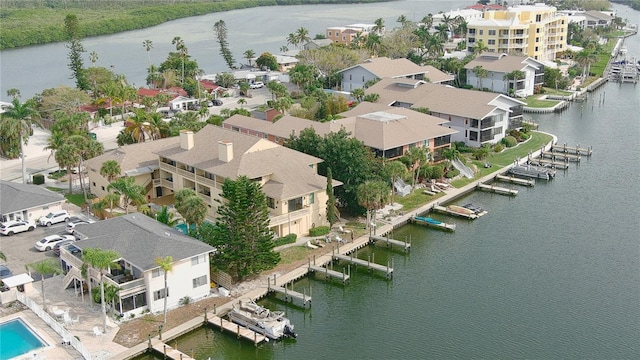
(537, 31)
(346, 34)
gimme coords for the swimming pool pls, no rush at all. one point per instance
(16, 338)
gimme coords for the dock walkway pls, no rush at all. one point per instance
(240, 331)
(168, 352)
(515, 180)
(405, 245)
(387, 270)
(497, 189)
(330, 273)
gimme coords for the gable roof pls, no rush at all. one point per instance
(503, 63)
(140, 240)
(288, 170)
(436, 76)
(437, 98)
(134, 158)
(384, 67)
(17, 197)
(598, 15)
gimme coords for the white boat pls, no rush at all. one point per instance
(623, 50)
(271, 324)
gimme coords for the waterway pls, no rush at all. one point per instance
(553, 273)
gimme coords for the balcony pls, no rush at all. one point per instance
(156, 182)
(168, 183)
(206, 181)
(284, 218)
(167, 167)
(205, 197)
(187, 174)
(125, 283)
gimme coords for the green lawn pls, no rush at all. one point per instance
(416, 199)
(551, 91)
(534, 102)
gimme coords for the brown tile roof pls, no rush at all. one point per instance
(503, 63)
(437, 98)
(253, 157)
(384, 67)
(436, 76)
(134, 156)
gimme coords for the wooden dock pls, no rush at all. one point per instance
(405, 245)
(433, 223)
(240, 331)
(572, 149)
(445, 210)
(497, 189)
(290, 294)
(563, 165)
(388, 270)
(328, 273)
(515, 180)
(531, 171)
(561, 156)
(168, 352)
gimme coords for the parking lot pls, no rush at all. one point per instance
(20, 250)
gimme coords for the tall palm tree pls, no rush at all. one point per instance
(93, 57)
(110, 169)
(19, 118)
(428, 21)
(101, 260)
(292, 39)
(303, 35)
(148, 45)
(515, 75)
(242, 101)
(417, 157)
(372, 195)
(67, 157)
(395, 170)
(480, 48)
(481, 73)
(129, 190)
(182, 49)
(249, 54)
(166, 264)
(447, 21)
(379, 26)
(585, 58)
(44, 268)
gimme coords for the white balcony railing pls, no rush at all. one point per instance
(284, 218)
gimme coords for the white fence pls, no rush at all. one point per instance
(56, 326)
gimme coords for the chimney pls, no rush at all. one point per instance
(186, 139)
(225, 151)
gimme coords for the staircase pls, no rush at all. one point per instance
(464, 169)
(73, 274)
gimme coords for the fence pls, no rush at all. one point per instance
(56, 326)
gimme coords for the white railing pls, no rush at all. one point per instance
(56, 326)
(284, 218)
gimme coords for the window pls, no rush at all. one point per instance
(481, 32)
(329, 33)
(160, 294)
(538, 18)
(156, 272)
(491, 42)
(271, 203)
(312, 198)
(102, 187)
(198, 260)
(538, 31)
(536, 48)
(363, 78)
(537, 39)
(350, 77)
(492, 32)
(199, 281)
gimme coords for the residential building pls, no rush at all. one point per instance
(388, 132)
(27, 202)
(357, 76)
(498, 66)
(467, 14)
(136, 160)
(537, 31)
(202, 161)
(317, 43)
(140, 240)
(487, 7)
(346, 34)
(479, 117)
(596, 19)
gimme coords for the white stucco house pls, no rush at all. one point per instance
(140, 240)
(26, 201)
(498, 65)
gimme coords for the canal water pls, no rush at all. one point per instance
(553, 273)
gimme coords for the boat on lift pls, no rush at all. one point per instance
(272, 324)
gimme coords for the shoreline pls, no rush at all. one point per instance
(298, 272)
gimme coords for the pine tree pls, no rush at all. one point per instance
(333, 215)
(220, 28)
(74, 44)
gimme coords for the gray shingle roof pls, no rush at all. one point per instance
(140, 240)
(134, 156)
(17, 197)
(502, 64)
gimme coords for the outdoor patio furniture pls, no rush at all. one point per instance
(97, 331)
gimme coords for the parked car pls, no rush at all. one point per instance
(56, 247)
(256, 85)
(5, 272)
(54, 218)
(50, 241)
(15, 226)
(73, 221)
(215, 102)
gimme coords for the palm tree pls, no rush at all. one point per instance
(129, 190)
(442, 32)
(303, 35)
(101, 260)
(447, 21)
(358, 94)
(67, 157)
(148, 45)
(515, 75)
(242, 101)
(395, 170)
(19, 118)
(110, 169)
(428, 21)
(249, 54)
(480, 48)
(585, 58)
(166, 217)
(182, 49)
(138, 126)
(44, 268)
(93, 57)
(481, 73)
(379, 26)
(417, 156)
(166, 264)
(191, 206)
(372, 195)
(292, 39)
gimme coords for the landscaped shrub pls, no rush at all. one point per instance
(452, 173)
(186, 300)
(38, 179)
(509, 141)
(524, 137)
(289, 239)
(498, 147)
(319, 230)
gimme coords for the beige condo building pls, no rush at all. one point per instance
(537, 31)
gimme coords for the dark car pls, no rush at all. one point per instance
(56, 248)
(5, 272)
(216, 102)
